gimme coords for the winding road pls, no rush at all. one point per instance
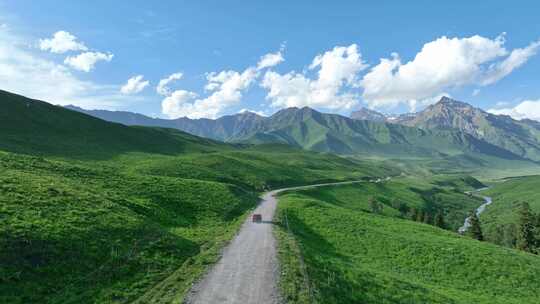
(248, 271)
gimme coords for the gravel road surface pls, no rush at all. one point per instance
(248, 271)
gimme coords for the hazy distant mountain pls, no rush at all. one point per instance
(224, 128)
(367, 114)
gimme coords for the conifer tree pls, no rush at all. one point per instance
(509, 237)
(525, 235)
(427, 218)
(439, 220)
(420, 216)
(475, 231)
(402, 207)
(537, 232)
(414, 214)
(375, 206)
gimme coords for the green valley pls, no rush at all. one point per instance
(136, 213)
(142, 213)
(256, 152)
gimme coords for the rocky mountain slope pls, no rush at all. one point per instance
(519, 137)
(367, 114)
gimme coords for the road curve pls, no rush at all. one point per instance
(247, 273)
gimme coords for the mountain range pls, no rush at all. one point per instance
(520, 137)
(446, 128)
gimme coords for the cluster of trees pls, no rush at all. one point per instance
(375, 206)
(528, 230)
(427, 217)
(524, 234)
(475, 230)
(419, 215)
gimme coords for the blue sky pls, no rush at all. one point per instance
(327, 55)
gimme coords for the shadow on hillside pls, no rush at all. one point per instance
(40, 268)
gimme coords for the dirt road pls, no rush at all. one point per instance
(247, 273)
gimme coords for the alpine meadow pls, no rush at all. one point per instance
(269, 153)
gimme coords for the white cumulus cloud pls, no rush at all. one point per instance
(528, 109)
(24, 72)
(337, 73)
(226, 89)
(134, 85)
(442, 64)
(87, 60)
(61, 42)
(271, 59)
(178, 103)
(516, 59)
(162, 88)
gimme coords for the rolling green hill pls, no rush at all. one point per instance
(338, 253)
(36, 127)
(98, 212)
(138, 213)
(499, 221)
(429, 194)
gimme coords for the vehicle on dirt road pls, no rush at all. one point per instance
(256, 218)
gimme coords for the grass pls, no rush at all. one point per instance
(98, 212)
(444, 192)
(352, 256)
(481, 166)
(68, 227)
(507, 195)
(136, 227)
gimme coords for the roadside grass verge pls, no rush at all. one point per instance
(137, 226)
(353, 256)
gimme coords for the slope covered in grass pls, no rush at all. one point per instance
(97, 212)
(261, 167)
(35, 127)
(501, 217)
(141, 225)
(84, 234)
(443, 193)
(351, 256)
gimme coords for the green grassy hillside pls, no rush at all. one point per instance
(39, 128)
(503, 212)
(431, 195)
(87, 233)
(481, 166)
(128, 226)
(345, 255)
(97, 212)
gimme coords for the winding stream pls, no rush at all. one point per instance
(479, 210)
